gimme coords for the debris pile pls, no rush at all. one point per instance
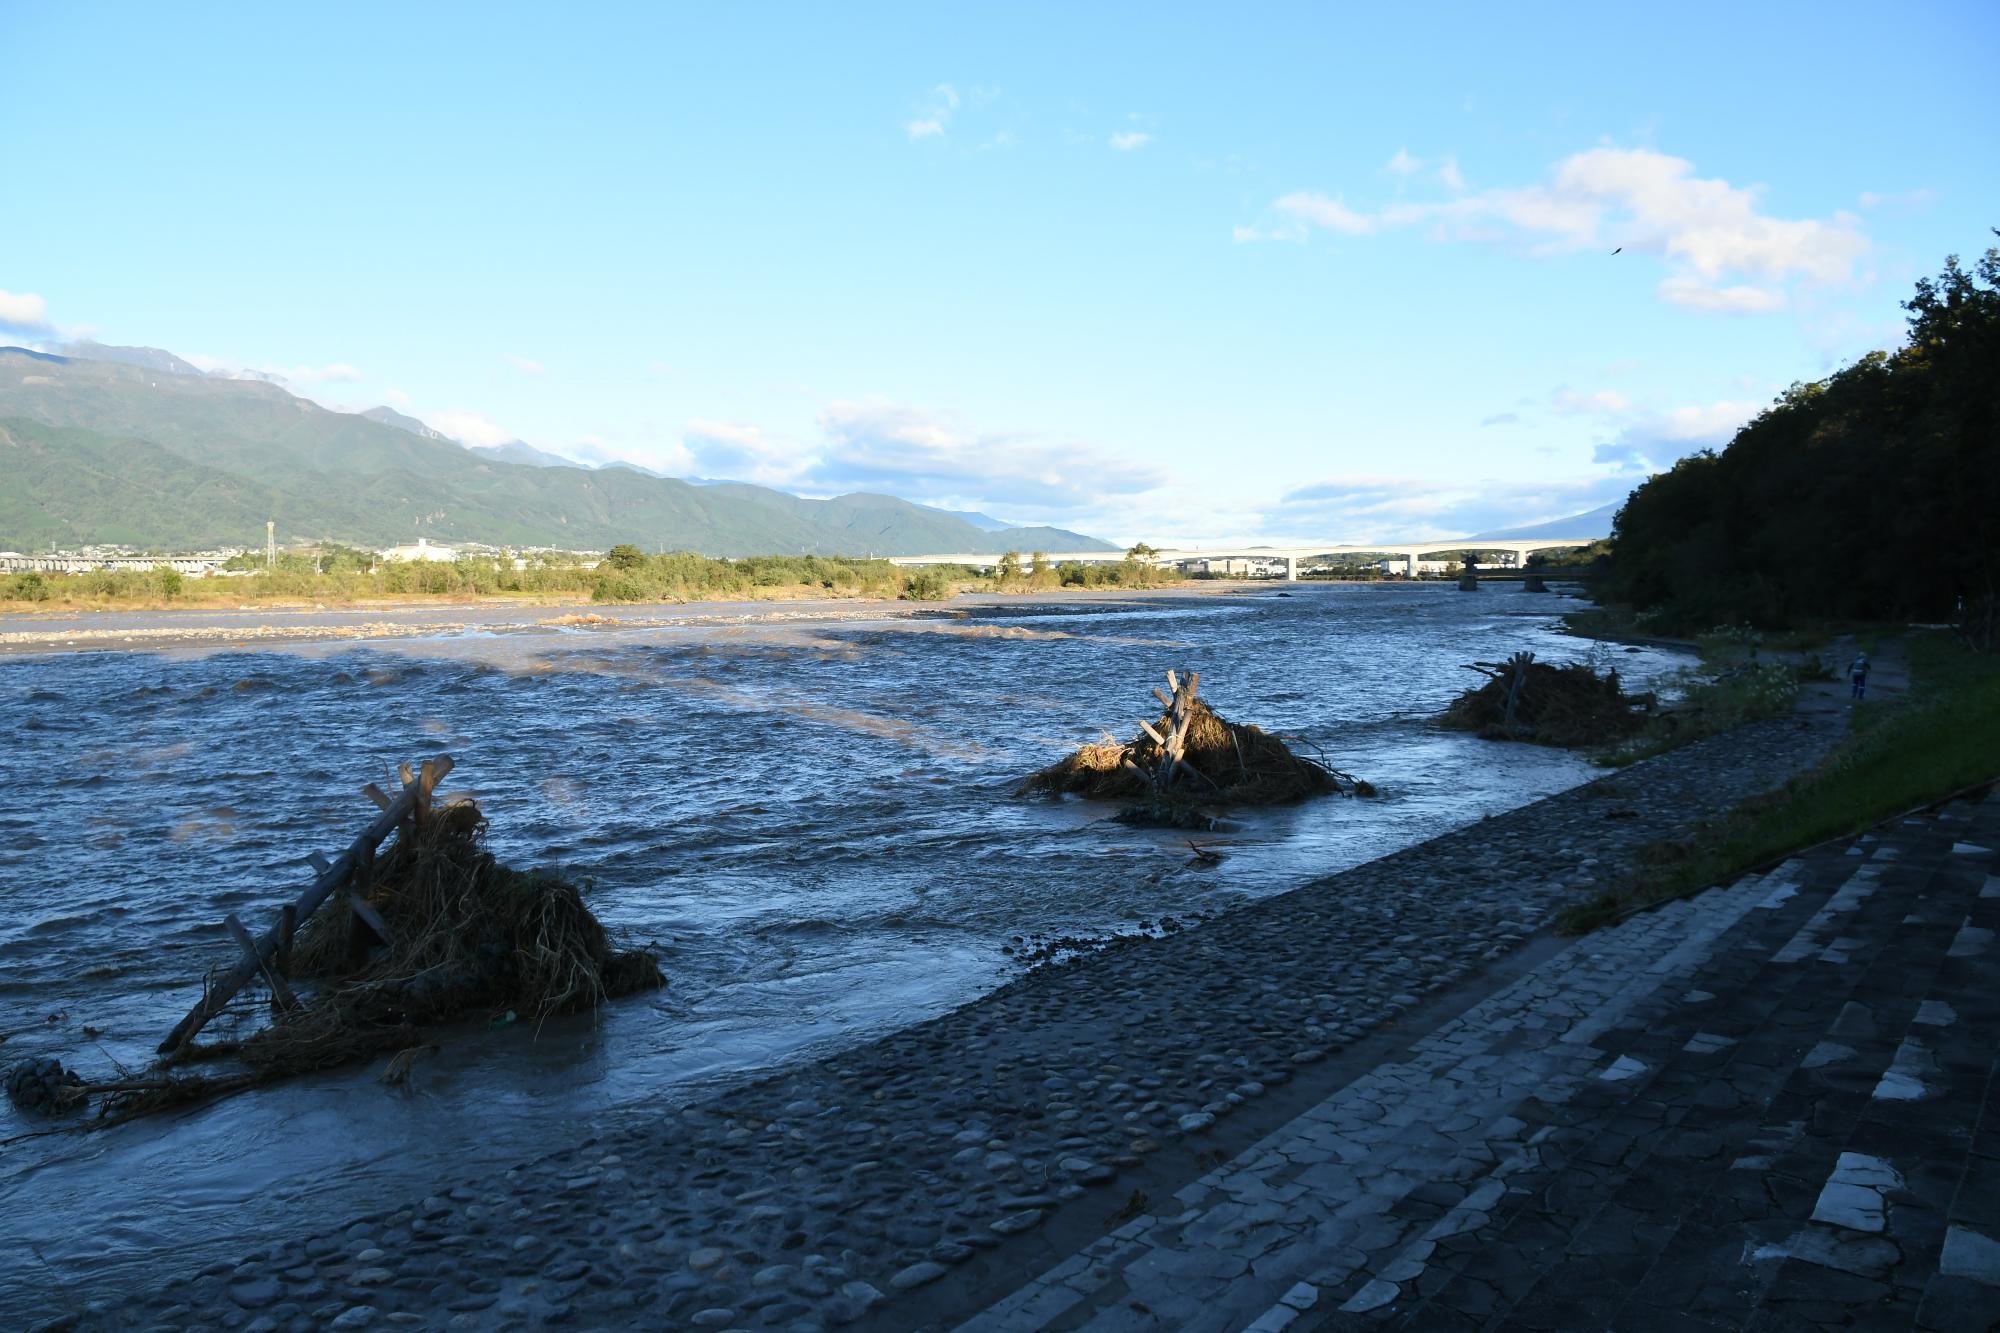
(43, 1087)
(466, 936)
(1565, 706)
(465, 933)
(1191, 756)
(427, 930)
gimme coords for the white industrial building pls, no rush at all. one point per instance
(423, 550)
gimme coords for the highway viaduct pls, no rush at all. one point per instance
(1292, 556)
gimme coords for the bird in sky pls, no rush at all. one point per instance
(1619, 250)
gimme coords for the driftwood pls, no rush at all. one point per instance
(1527, 700)
(428, 928)
(260, 953)
(1191, 755)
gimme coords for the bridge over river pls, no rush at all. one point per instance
(1293, 557)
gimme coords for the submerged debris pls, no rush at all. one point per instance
(465, 933)
(443, 932)
(43, 1087)
(1526, 700)
(1190, 757)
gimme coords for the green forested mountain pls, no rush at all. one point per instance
(876, 520)
(104, 451)
(1872, 494)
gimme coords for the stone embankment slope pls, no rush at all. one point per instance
(1776, 1106)
(924, 1174)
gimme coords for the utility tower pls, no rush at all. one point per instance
(270, 543)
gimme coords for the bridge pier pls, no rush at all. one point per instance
(1412, 571)
(1291, 569)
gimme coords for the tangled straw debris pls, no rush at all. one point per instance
(1526, 700)
(466, 935)
(1231, 764)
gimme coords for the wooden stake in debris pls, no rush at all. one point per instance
(259, 952)
(1173, 746)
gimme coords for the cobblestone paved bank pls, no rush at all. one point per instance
(837, 1193)
(1769, 1107)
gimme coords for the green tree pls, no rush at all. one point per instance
(1898, 452)
(928, 584)
(625, 556)
(1009, 568)
(1140, 551)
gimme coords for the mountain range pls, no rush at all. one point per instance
(1593, 523)
(136, 446)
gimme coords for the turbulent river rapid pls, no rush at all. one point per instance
(811, 815)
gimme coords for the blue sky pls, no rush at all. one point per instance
(1314, 271)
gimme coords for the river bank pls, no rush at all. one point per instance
(818, 1196)
(261, 626)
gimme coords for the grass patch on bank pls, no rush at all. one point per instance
(1712, 700)
(1942, 738)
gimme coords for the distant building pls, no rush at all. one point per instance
(1400, 564)
(1240, 567)
(193, 566)
(423, 550)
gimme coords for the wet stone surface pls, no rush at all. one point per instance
(811, 1199)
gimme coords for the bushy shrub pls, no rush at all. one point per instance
(28, 587)
(927, 585)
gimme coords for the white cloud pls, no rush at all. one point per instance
(1568, 400)
(1402, 164)
(524, 365)
(335, 372)
(395, 398)
(23, 312)
(1654, 440)
(1741, 298)
(1724, 253)
(741, 452)
(931, 121)
(1906, 201)
(1449, 174)
(1502, 419)
(669, 458)
(1387, 508)
(921, 454)
(1316, 209)
(1242, 235)
(1127, 140)
(470, 427)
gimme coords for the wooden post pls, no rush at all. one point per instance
(263, 947)
(427, 779)
(288, 924)
(369, 917)
(281, 994)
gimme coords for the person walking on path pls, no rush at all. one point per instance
(1857, 671)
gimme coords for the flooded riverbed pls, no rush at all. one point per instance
(812, 819)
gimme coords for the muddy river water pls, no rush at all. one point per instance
(811, 816)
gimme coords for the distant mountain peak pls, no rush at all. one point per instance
(518, 451)
(146, 358)
(102, 452)
(1594, 524)
(389, 416)
(630, 466)
(31, 353)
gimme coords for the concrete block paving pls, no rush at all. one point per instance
(1774, 1106)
